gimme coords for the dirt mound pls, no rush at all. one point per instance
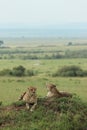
(49, 104)
(58, 112)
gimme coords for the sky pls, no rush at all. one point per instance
(43, 13)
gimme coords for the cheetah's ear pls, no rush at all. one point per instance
(29, 88)
(54, 86)
(51, 85)
(47, 84)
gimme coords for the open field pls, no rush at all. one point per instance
(43, 66)
(44, 57)
(19, 51)
(43, 48)
(12, 87)
(27, 42)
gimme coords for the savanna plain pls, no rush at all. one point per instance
(36, 62)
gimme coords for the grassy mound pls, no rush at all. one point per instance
(53, 114)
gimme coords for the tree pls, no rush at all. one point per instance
(1, 42)
(18, 71)
(70, 44)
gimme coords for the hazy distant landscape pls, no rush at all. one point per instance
(45, 33)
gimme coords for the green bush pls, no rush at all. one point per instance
(18, 71)
(30, 73)
(5, 72)
(70, 71)
(0, 103)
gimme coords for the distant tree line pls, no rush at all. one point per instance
(34, 55)
(76, 44)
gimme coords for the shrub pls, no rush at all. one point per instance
(85, 73)
(5, 72)
(71, 71)
(18, 71)
(0, 103)
(30, 73)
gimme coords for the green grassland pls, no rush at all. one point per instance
(12, 87)
(63, 113)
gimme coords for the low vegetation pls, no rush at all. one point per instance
(57, 114)
(71, 71)
(65, 71)
(46, 51)
(18, 71)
